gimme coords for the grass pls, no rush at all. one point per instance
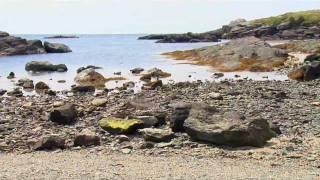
(308, 17)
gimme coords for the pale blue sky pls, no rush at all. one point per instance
(135, 16)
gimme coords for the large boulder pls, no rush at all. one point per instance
(245, 54)
(306, 73)
(206, 123)
(65, 114)
(90, 77)
(11, 45)
(120, 126)
(40, 66)
(56, 47)
(41, 86)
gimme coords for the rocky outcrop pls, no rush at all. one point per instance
(40, 66)
(56, 47)
(297, 25)
(41, 86)
(90, 77)
(11, 45)
(305, 46)
(245, 54)
(182, 38)
(306, 72)
(208, 124)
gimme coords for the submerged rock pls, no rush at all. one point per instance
(88, 67)
(243, 54)
(206, 123)
(136, 70)
(120, 126)
(11, 75)
(65, 114)
(90, 77)
(40, 66)
(15, 92)
(56, 47)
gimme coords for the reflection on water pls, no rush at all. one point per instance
(114, 53)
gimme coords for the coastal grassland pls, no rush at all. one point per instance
(306, 17)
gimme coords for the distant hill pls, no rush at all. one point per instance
(293, 25)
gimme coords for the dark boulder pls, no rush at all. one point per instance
(56, 47)
(66, 114)
(50, 143)
(83, 89)
(87, 67)
(312, 57)
(180, 114)
(11, 75)
(87, 138)
(41, 86)
(307, 72)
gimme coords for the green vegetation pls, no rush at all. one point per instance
(292, 18)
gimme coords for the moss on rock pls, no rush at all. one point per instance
(120, 126)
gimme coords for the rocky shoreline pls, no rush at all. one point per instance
(291, 108)
(295, 25)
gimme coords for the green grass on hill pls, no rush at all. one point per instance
(305, 17)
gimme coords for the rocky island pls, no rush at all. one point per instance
(11, 45)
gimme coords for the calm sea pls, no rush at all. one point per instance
(114, 53)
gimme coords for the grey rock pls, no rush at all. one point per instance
(180, 114)
(50, 143)
(65, 114)
(157, 135)
(41, 66)
(206, 123)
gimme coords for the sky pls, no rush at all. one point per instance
(135, 16)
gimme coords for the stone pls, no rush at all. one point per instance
(56, 47)
(208, 124)
(58, 103)
(45, 66)
(149, 121)
(215, 96)
(218, 75)
(157, 135)
(90, 77)
(179, 115)
(136, 70)
(2, 92)
(65, 114)
(26, 83)
(41, 86)
(87, 138)
(49, 143)
(99, 102)
(120, 126)
(11, 75)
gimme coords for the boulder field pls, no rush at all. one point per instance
(11, 45)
